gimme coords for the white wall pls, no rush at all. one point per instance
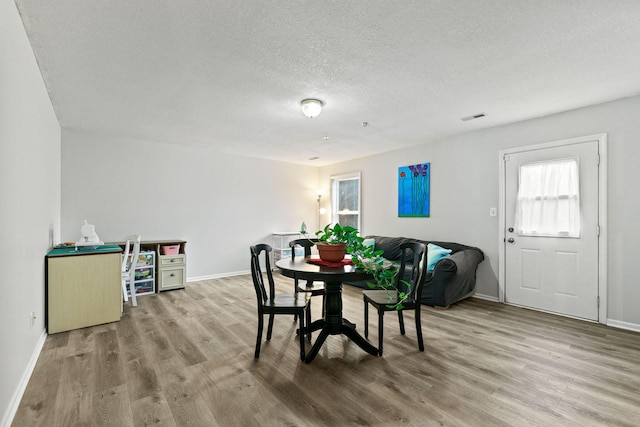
(219, 203)
(222, 203)
(464, 185)
(29, 205)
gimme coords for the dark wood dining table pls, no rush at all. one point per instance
(332, 323)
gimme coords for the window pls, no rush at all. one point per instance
(548, 201)
(345, 200)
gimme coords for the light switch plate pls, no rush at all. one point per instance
(493, 211)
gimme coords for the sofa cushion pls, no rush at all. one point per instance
(390, 246)
(434, 254)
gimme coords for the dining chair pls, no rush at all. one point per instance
(128, 270)
(273, 303)
(313, 288)
(386, 300)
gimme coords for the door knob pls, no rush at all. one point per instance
(510, 240)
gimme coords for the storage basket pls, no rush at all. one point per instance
(170, 249)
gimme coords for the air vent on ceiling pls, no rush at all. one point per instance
(475, 116)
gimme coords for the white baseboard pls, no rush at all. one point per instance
(485, 297)
(217, 276)
(623, 325)
(610, 322)
(7, 418)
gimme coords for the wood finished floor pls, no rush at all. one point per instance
(186, 358)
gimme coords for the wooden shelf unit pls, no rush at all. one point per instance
(171, 270)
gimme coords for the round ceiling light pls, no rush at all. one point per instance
(311, 107)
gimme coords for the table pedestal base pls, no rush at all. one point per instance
(346, 328)
(335, 324)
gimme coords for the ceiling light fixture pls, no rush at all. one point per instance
(311, 107)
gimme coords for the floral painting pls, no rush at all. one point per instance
(413, 190)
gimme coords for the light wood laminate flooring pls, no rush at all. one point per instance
(186, 358)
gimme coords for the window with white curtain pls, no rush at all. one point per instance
(548, 201)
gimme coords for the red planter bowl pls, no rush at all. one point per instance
(331, 253)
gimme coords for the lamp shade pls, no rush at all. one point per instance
(311, 107)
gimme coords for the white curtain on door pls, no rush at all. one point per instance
(549, 199)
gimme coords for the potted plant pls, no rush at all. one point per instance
(335, 241)
(340, 240)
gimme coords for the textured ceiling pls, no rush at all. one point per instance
(230, 74)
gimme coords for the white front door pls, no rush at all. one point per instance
(551, 273)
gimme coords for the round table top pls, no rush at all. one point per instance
(301, 269)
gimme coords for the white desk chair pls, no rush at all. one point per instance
(129, 262)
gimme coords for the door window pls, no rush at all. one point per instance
(548, 202)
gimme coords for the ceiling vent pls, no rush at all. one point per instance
(475, 116)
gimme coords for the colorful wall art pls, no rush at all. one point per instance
(413, 190)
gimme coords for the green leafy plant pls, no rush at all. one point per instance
(366, 258)
(383, 272)
(340, 235)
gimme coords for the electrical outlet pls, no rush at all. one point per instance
(493, 211)
(32, 319)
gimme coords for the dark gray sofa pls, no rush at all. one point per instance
(452, 279)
